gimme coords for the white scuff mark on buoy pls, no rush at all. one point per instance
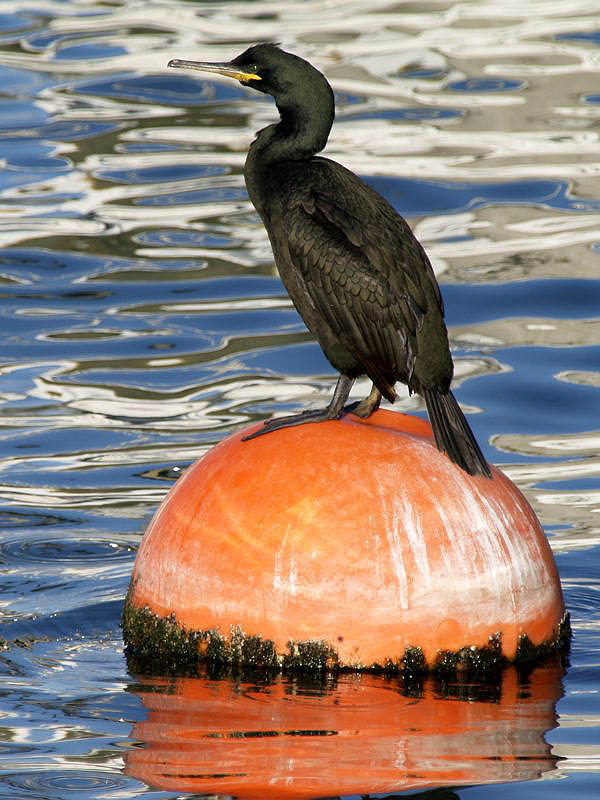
(453, 522)
(497, 569)
(416, 540)
(474, 555)
(278, 581)
(523, 566)
(512, 553)
(293, 574)
(285, 570)
(393, 534)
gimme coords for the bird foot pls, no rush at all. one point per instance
(320, 415)
(364, 408)
(359, 409)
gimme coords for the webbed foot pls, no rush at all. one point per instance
(366, 407)
(290, 421)
(334, 410)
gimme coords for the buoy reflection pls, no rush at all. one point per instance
(293, 738)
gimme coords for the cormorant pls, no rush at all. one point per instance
(350, 263)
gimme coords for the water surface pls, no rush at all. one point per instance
(142, 319)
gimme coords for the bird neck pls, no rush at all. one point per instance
(301, 133)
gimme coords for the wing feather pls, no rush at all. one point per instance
(366, 275)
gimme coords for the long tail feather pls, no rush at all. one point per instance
(453, 435)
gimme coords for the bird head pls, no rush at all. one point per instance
(271, 70)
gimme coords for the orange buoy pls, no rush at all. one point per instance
(356, 735)
(352, 543)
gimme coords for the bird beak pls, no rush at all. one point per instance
(220, 67)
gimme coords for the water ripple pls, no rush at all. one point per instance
(66, 781)
(73, 551)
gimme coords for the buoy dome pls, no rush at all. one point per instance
(358, 534)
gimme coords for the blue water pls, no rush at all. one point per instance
(142, 319)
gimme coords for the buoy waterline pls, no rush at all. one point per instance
(348, 544)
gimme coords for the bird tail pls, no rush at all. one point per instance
(453, 435)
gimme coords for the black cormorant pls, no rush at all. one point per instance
(350, 263)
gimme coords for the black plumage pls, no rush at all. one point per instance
(353, 268)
